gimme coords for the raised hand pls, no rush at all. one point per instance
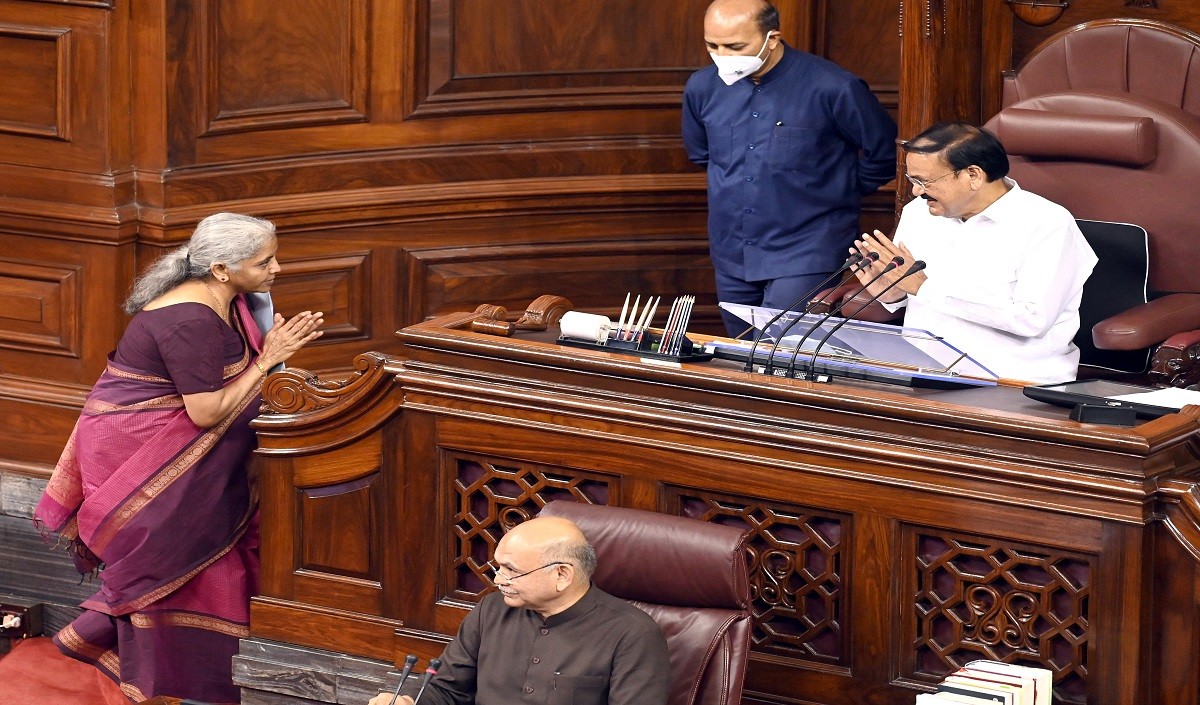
(286, 337)
(878, 242)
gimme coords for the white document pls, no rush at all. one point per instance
(1170, 397)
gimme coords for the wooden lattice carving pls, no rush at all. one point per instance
(797, 572)
(982, 598)
(495, 496)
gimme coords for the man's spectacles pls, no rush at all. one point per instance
(498, 572)
(924, 185)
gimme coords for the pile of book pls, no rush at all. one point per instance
(990, 682)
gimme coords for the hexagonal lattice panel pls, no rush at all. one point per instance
(494, 496)
(797, 575)
(984, 598)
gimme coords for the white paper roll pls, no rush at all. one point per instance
(591, 327)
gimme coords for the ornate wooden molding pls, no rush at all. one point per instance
(1176, 363)
(1180, 508)
(297, 391)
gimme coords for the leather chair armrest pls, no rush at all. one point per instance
(1148, 324)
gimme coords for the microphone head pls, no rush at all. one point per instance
(897, 260)
(434, 665)
(410, 660)
(917, 266)
(866, 260)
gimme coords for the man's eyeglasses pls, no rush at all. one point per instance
(924, 185)
(499, 573)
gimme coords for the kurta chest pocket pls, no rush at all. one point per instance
(579, 690)
(796, 147)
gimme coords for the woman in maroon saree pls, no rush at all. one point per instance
(152, 488)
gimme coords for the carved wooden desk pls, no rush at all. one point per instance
(897, 533)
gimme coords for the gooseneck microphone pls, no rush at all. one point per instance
(863, 262)
(430, 672)
(409, 662)
(810, 374)
(871, 258)
(791, 368)
(850, 262)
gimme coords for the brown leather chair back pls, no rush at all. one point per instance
(1144, 58)
(1104, 119)
(1117, 158)
(691, 577)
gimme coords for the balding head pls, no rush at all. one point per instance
(546, 565)
(732, 14)
(555, 539)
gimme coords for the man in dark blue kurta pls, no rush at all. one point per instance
(792, 143)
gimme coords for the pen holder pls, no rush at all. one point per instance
(646, 347)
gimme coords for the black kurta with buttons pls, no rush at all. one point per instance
(600, 651)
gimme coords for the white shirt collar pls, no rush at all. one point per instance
(1002, 208)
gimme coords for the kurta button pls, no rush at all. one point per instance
(749, 178)
(749, 211)
(529, 689)
(754, 114)
(536, 659)
(544, 630)
(751, 145)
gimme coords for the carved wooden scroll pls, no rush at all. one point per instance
(297, 391)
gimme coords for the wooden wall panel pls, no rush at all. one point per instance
(54, 293)
(40, 308)
(35, 62)
(597, 274)
(312, 67)
(339, 285)
(336, 525)
(864, 38)
(515, 56)
(55, 107)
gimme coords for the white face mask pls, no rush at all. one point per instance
(731, 69)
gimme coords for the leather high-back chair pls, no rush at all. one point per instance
(691, 577)
(1104, 119)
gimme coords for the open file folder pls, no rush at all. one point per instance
(858, 349)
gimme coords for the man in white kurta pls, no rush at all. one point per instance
(1005, 267)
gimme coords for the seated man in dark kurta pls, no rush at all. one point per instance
(548, 635)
